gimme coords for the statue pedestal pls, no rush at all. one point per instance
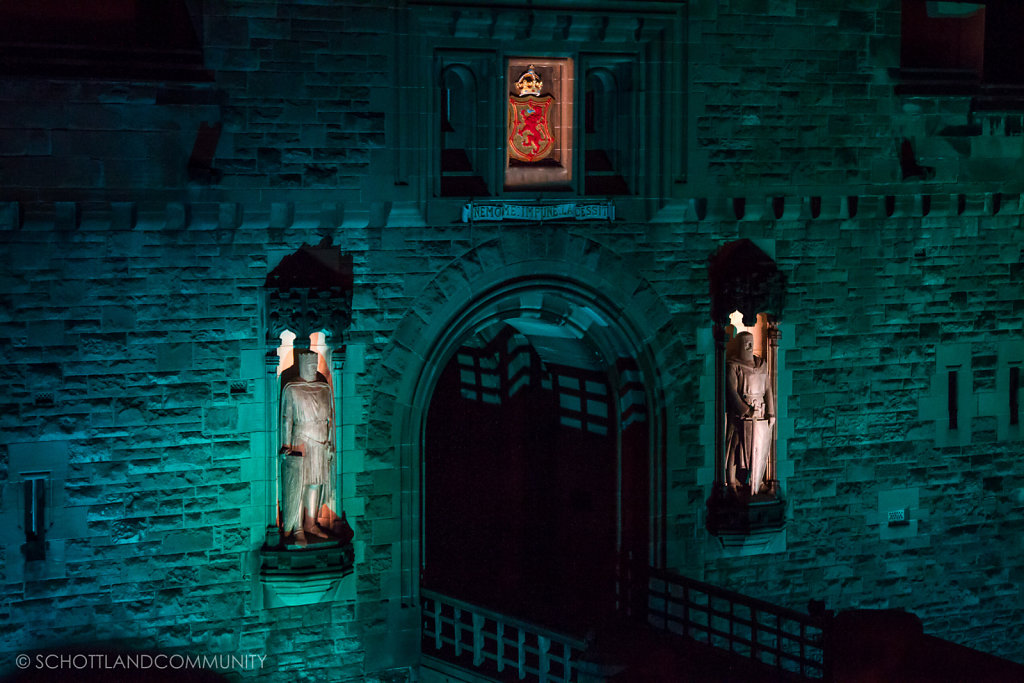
(304, 575)
(744, 515)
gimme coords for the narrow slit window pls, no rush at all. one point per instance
(1015, 395)
(35, 492)
(446, 117)
(952, 398)
(35, 508)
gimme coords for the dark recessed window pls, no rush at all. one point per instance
(609, 147)
(955, 46)
(463, 133)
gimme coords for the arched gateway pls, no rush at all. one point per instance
(531, 438)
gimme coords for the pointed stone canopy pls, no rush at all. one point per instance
(743, 278)
(310, 291)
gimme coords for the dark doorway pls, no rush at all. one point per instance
(522, 508)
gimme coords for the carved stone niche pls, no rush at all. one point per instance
(747, 297)
(309, 291)
(308, 547)
(743, 278)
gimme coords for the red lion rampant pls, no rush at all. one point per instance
(529, 131)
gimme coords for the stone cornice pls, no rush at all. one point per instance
(333, 215)
(835, 207)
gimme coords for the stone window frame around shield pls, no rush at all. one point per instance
(591, 117)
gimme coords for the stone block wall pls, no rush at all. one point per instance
(879, 309)
(800, 97)
(132, 344)
(793, 95)
(304, 84)
(134, 362)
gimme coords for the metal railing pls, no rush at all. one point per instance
(775, 636)
(495, 644)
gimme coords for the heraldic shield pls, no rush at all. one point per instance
(529, 127)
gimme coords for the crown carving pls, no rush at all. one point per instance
(529, 83)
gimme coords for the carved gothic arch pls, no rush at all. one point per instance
(456, 304)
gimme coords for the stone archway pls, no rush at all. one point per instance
(535, 458)
(601, 311)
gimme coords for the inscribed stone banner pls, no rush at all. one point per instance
(499, 211)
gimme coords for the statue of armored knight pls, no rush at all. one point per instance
(750, 411)
(307, 452)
